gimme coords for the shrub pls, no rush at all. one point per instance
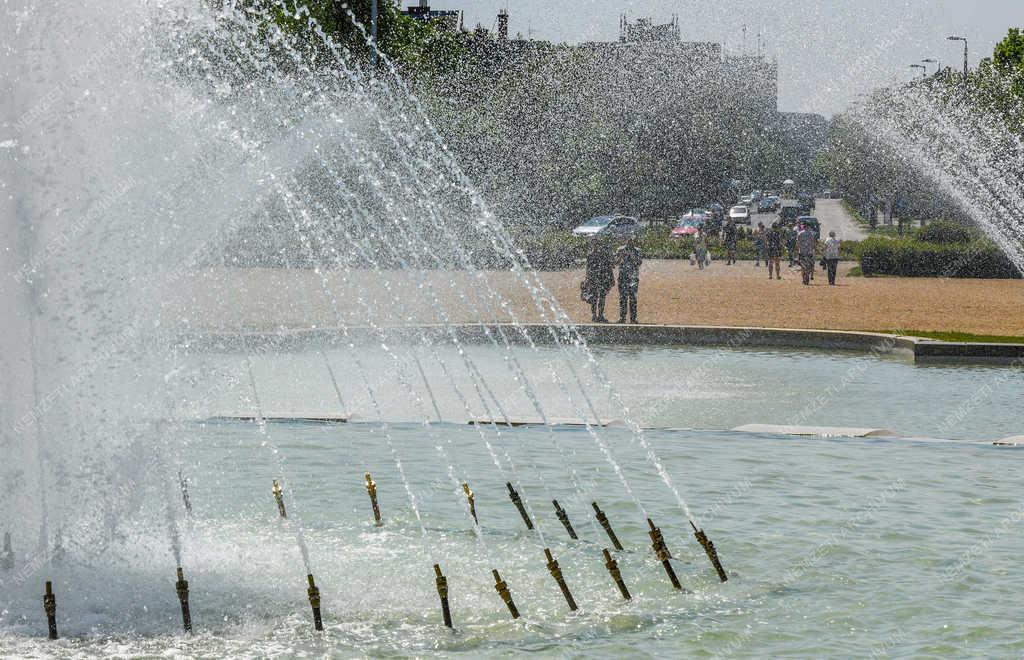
(914, 258)
(945, 232)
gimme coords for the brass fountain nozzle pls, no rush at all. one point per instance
(371, 489)
(663, 555)
(472, 501)
(518, 501)
(603, 519)
(7, 556)
(50, 607)
(709, 549)
(279, 496)
(502, 588)
(556, 572)
(181, 586)
(613, 569)
(442, 592)
(564, 517)
(314, 602)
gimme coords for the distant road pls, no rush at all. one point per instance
(834, 217)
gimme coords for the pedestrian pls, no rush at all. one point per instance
(790, 236)
(729, 239)
(629, 260)
(600, 277)
(807, 243)
(773, 250)
(831, 256)
(759, 245)
(700, 249)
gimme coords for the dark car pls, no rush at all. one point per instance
(811, 223)
(766, 205)
(806, 202)
(789, 211)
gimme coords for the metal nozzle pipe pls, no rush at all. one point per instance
(564, 517)
(314, 602)
(556, 572)
(371, 489)
(442, 592)
(603, 519)
(181, 586)
(7, 556)
(50, 607)
(613, 568)
(661, 551)
(502, 588)
(518, 501)
(709, 549)
(279, 496)
(472, 502)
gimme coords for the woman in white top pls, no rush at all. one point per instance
(831, 257)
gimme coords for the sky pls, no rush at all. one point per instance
(829, 51)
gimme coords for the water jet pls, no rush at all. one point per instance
(564, 517)
(663, 555)
(7, 556)
(603, 519)
(371, 489)
(709, 548)
(50, 607)
(314, 602)
(58, 554)
(502, 588)
(556, 572)
(181, 586)
(518, 501)
(183, 482)
(442, 592)
(279, 496)
(613, 568)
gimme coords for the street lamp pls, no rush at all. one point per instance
(932, 60)
(924, 69)
(963, 39)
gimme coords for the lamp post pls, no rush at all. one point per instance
(924, 69)
(963, 39)
(932, 60)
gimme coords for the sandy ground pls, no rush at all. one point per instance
(671, 292)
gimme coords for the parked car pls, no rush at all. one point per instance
(609, 225)
(689, 224)
(806, 202)
(766, 205)
(716, 216)
(812, 223)
(740, 215)
(789, 211)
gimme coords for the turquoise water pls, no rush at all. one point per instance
(834, 547)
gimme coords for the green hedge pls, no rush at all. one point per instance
(914, 258)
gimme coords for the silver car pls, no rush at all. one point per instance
(609, 225)
(740, 215)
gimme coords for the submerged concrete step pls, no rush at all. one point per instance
(820, 431)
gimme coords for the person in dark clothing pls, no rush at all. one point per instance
(729, 239)
(773, 240)
(629, 260)
(790, 234)
(600, 277)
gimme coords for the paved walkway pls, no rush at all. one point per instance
(834, 217)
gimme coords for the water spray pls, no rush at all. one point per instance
(613, 568)
(371, 489)
(279, 496)
(7, 556)
(709, 548)
(181, 586)
(518, 501)
(472, 501)
(664, 556)
(58, 554)
(556, 572)
(314, 602)
(442, 592)
(50, 607)
(502, 588)
(564, 517)
(183, 482)
(603, 519)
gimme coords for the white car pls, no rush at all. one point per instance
(740, 215)
(609, 225)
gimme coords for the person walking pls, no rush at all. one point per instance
(700, 249)
(729, 240)
(600, 277)
(807, 243)
(831, 256)
(759, 245)
(790, 235)
(629, 260)
(773, 250)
